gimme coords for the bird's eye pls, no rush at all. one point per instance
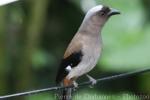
(102, 13)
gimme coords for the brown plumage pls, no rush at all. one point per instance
(74, 46)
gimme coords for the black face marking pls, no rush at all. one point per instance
(104, 11)
(73, 60)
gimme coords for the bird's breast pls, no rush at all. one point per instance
(91, 50)
(91, 55)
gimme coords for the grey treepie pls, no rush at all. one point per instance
(84, 49)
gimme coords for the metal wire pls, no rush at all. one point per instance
(108, 78)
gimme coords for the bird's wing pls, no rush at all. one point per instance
(73, 47)
(72, 58)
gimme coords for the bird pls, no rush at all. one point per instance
(84, 50)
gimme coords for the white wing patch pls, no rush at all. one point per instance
(68, 68)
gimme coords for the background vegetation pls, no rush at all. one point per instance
(35, 33)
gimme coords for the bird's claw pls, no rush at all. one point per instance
(75, 84)
(92, 80)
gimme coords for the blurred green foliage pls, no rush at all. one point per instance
(35, 33)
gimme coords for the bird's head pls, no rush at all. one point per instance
(100, 14)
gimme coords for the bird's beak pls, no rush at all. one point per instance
(113, 12)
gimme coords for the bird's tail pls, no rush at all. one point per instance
(66, 93)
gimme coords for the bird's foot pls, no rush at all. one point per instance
(92, 80)
(75, 84)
